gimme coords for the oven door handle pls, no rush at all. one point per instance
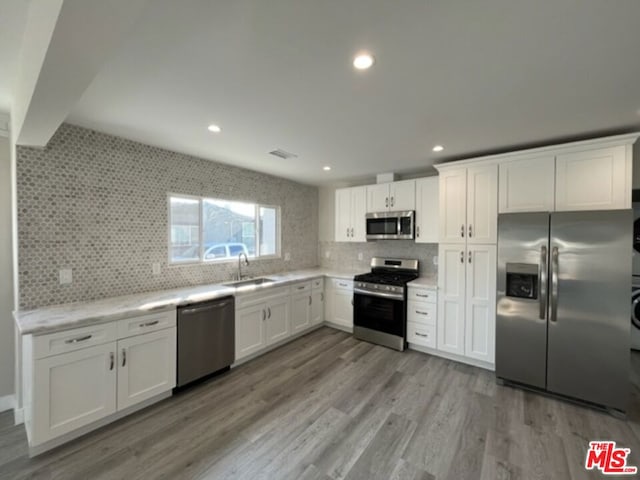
(394, 296)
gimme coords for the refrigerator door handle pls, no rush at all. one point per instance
(553, 317)
(542, 282)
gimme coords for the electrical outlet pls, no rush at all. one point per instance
(287, 257)
(66, 276)
(360, 256)
(155, 268)
(435, 260)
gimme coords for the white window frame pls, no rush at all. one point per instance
(201, 260)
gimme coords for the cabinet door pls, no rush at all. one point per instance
(358, 214)
(378, 198)
(343, 215)
(342, 303)
(451, 298)
(300, 312)
(527, 185)
(250, 336)
(317, 307)
(427, 211)
(146, 366)
(593, 180)
(74, 389)
(482, 204)
(402, 195)
(453, 205)
(480, 331)
(278, 325)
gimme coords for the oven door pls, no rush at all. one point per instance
(382, 314)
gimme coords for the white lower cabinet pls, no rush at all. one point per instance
(72, 390)
(146, 366)
(301, 307)
(278, 321)
(317, 307)
(84, 383)
(339, 309)
(250, 330)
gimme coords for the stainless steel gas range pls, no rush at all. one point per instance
(380, 301)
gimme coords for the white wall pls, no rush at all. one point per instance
(6, 275)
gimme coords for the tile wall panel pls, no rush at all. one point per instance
(97, 204)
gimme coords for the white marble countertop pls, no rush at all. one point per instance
(72, 315)
(429, 281)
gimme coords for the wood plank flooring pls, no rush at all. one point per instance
(327, 406)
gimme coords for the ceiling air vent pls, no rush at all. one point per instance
(283, 154)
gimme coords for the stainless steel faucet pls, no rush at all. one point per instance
(246, 262)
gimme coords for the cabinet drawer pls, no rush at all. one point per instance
(422, 295)
(341, 284)
(146, 323)
(424, 335)
(300, 287)
(72, 340)
(317, 283)
(422, 313)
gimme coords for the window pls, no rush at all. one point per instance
(207, 229)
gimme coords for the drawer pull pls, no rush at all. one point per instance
(149, 324)
(420, 312)
(423, 295)
(78, 339)
(422, 334)
(301, 287)
(124, 357)
(111, 357)
(343, 285)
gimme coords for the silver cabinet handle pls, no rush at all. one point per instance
(112, 360)
(553, 317)
(542, 282)
(264, 314)
(420, 312)
(421, 334)
(352, 232)
(386, 202)
(301, 287)
(462, 257)
(310, 300)
(423, 295)
(347, 232)
(469, 254)
(392, 201)
(78, 339)
(149, 324)
(418, 231)
(269, 312)
(124, 357)
(343, 285)
(322, 296)
(470, 231)
(462, 230)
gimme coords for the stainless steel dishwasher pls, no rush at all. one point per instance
(206, 339)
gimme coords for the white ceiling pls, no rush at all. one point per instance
(475, 76)
(13, 16)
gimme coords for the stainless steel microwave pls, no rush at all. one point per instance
(390, 225)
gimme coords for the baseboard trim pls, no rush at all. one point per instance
(8, 402)
(451, 356)
(338, 327)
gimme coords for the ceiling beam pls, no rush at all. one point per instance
(65, 44)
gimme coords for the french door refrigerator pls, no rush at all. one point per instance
(563, 303)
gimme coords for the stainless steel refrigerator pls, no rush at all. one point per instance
(563, 303)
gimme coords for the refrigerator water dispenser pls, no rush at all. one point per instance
(522, 280)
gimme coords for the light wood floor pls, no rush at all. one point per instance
(327, 406)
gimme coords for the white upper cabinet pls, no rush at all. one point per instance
(393, 196)
(427, 212)
(594, 180)
(469, 205)
(350, 212)
(482, 204)
(527, 185)
(453, 205)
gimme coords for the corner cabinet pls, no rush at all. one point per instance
(79, 379)
(350, 212)
(589, 175)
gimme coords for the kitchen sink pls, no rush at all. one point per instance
(250, 282)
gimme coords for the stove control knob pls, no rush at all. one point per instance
(388, 287)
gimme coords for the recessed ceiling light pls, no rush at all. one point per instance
(326, 168)
(214, 128)
(363, 61)
(438, 148)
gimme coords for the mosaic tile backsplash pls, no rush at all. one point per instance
(345, 255)
(97, 204)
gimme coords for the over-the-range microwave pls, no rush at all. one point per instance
(390, 225)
